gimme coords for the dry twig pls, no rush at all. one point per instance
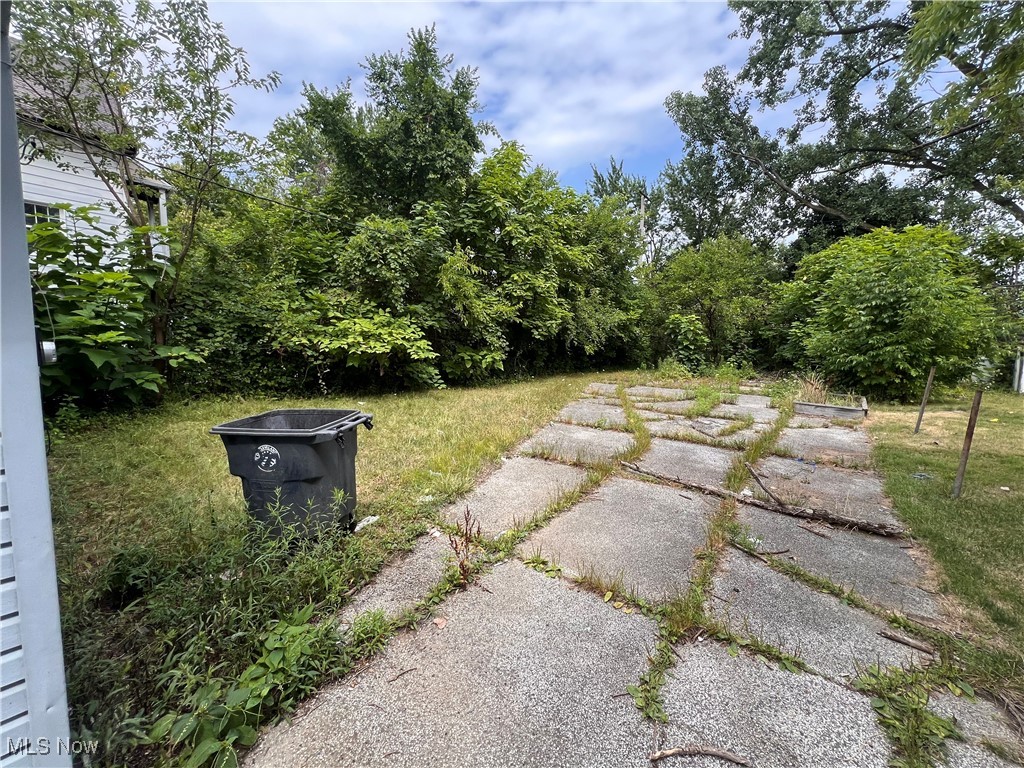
(907, 641)
(697, 751)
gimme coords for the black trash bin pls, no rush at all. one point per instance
(300, 462)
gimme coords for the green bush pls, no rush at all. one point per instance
(875, 312)
(92, 294)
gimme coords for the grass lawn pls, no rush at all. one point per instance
(978, 539)
(146, 478)
(171, 604)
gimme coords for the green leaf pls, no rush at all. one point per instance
(100, 357)
(203, 751)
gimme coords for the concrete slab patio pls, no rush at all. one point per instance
(571, 443)
(834, 639)
(771, 717)
(521, 669)
(629, 530)
(515, 493)
(525, 672)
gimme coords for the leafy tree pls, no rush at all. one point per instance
(985, 42)
(645, 201)
(415, 139)
(139, 89)
(875, 312)
(836, 68)
(724, 283)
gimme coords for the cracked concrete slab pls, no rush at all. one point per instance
(979, 720)
(755, 401)
(758, 414)
(836, 640)
(526, 673)
(680, 429)
(602, 388)
(647, 415)
(771, 717)
(842, 491)
(516, 492)
(677, 407)
(403, 582)
(658, 393)
(878, 568)
(960, 755)
(572, 443)
(639, 532)
(837, 445)
(593, 414)
(799, 421)
(699, 463)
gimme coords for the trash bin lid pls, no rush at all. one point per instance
(295, 422)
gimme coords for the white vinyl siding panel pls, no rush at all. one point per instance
(47, 183)
(14, 709)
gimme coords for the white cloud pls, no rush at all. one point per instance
(573, 83)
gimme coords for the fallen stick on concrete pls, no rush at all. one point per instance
(806, 513)
(907, 641)
(762, 486)
(695, 751)
(816, 533)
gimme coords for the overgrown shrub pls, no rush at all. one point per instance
(92, 294)
(875, 312)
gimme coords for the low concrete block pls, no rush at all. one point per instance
(527, 673)
(571, 443)
(639, 532)
(702, 464)
(516, 492)
(836, 640)
(842, 491)
(769, 716)
(876, 567)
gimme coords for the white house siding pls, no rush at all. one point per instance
(14, 710)
(46, 183)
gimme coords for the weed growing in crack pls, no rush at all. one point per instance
(900, 700)
(462, 542)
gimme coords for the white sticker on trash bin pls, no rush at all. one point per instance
(267, 457)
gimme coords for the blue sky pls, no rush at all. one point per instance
(573, 82)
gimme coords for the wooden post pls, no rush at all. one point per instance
(972, 422)
(924, 400)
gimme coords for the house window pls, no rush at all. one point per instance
(35, 213)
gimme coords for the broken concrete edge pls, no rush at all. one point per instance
(831, 411)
